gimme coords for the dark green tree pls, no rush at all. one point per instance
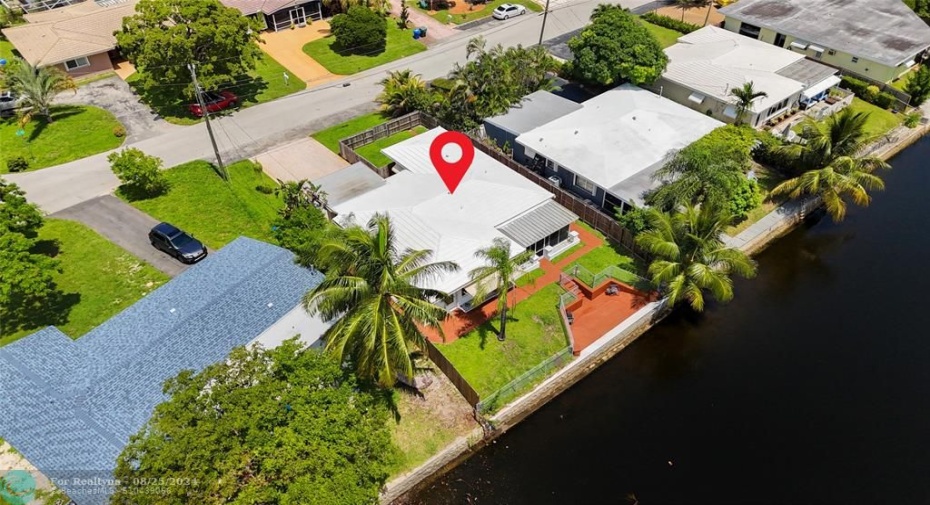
(141, 175)
(919, 86)
(286, 426)
(616, 48)
(403, 93)
(359, 31)
(164, 36)
(17, 215)
(26, 280)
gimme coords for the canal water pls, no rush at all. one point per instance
(812, 386)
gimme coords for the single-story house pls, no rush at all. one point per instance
(279, 14)
(607, 151)
(491, 202)
(878, 40)
(706, 65)
(537, 108)
(77, 39)
(70, 406)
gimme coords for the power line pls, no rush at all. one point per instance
(206, 117)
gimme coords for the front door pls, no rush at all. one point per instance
(298, 16)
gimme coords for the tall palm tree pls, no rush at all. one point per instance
(844, 134)
(403, 92)
(743, 97)
(498, 274)
(372, 291)
(690, 257)
(37, 87)
(846, 176)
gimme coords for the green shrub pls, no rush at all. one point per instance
(140, 174)
(918, 86)
(359, 31)
(871, 92)
(17, 164)
(857, 86)
(265, 190)
(885, 100)
(746, 196)
(765, 150)
(670, 23)
(634, 220)
(119, 131)
(442, 83)
(911, 120)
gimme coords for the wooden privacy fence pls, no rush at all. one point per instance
(595, 217)
(348, 145)
(471, 396)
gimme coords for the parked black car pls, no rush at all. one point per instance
(177, 243)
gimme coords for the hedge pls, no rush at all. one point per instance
(869, 92)
(670, 23)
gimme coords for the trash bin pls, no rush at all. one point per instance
(416, 33)
(422, 31)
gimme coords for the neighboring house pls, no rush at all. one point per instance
(70, 406)
(607, 151)
(535, 109)
(77, 39)
(279, 14)
(706, 65)
(874, 39)
(492, 201)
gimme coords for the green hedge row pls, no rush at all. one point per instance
(670, 23)
(869, 92)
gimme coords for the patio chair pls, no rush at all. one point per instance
(570, 317)
(613, 289)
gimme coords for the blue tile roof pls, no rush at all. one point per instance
(70, 406)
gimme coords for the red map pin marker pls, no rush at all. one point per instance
(452, 172)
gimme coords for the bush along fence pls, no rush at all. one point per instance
(880, 94)
(670, 23)
(348, 145)
(593, 216)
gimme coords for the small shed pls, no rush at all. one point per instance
(536, 109)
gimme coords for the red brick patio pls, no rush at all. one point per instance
(595, 312)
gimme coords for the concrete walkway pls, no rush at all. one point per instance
(435, 30)
(302, 159)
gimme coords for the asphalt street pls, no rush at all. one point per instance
(253, 130)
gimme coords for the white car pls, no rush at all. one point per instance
(507, 11)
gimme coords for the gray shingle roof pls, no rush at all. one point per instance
(70, 406)
(886, 31)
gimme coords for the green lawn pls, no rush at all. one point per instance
(399, 44)
(331, 136)
(666, 36)
(6, 49)
(881, 121)
(426, 427)
(443, 14)
(97, 280)
(372, 152)
(901, 82)
(530, 277)
(606, 255)
(76, 131)
(534, 333)
(263, 84)
(201, 203)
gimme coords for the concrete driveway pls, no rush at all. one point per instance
(302, 159)
(124, 225)
(114, 95)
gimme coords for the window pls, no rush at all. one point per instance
(831, 52)
(585, 184)
(777, 107)
(751, 31)
(77, 63)
(855, 59)
(780, 39)
(818, 54)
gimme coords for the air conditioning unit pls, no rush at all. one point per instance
(557, 182)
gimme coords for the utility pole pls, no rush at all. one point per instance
(206, 117)
(545, 15)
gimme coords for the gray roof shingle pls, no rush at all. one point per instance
(70, 406)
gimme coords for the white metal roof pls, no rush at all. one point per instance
(713, 61)
(618, 134)
(454, 226)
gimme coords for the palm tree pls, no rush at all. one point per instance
(502, 269)
(844, 134)
(403, 92)
(690, 257)
(37, 87)
(846, 176)
(373, 292)
(692, 176)
(743, 98)
(686, 5)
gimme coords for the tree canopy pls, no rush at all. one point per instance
(286, 426)
(164, 36)
(359, 31)
(616, 48)
(918, 86)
